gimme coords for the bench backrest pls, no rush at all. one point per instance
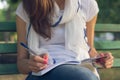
(7, 66)
(11, 48)
(106, 45)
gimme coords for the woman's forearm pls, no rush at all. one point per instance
(90, 31)
(22, 55)
(23, 66)
(90, 35)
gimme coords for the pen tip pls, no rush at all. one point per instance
(22, 44)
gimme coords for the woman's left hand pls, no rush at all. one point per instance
(108, 61)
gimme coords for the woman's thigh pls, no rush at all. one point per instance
(67, 72)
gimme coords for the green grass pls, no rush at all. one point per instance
(110, 74)
(13, 77)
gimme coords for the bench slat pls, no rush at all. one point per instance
(102, 45)
(116, 63)
(115, 53)
(7, 26)
(8, 69)
(8, 48)
(11, 26)
(107, 28)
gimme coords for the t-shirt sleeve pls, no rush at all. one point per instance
(22, 13)
(92, 10)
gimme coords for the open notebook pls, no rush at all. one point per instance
(51, 65)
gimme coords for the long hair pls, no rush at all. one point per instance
(40, 12)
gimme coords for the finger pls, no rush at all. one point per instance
(35, 64)
(108, 54)
(108, 65)
(109, 61)
(45, 57)
(101, 60)
(109, 58)
(36, 67)
(101, 55)
(36, 71)
(38, 59)
(43, 67)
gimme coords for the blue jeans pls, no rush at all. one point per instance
(66, 72)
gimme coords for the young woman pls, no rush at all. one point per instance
(61, 33)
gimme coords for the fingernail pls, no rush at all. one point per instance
(45, 59)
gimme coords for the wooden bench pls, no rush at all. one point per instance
(106, 45)
(11, 48)
(112, 46)
(7, 49)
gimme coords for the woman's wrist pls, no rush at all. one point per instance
(93, 52)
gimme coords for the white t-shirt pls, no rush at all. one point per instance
(89, 8)
(56, 45)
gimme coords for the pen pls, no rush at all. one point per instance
(96, 59)
(33, 53)
(27, 48)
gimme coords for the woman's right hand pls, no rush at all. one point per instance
(37, 63)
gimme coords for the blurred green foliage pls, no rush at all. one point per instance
(109, 11)
(8, 14)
